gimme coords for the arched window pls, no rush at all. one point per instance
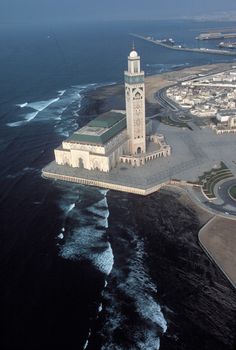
(135, 67)
(137, 95)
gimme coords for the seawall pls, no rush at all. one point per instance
(102, 184)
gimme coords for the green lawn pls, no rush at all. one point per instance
(232, 192)
(169, 121)
(210, 178)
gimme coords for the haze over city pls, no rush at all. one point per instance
(27, 10)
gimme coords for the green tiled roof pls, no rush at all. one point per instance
(112, 121)
(106, 120)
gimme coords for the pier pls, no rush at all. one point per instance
(188, 49)
(215, 36)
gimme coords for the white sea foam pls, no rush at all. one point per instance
(86, 345)
(62, 132)
(100, 308)
(103, 191)
(61, 92)
(22, 105)
(54, 114)
(87, 241)
(30, 116)
(104, 261)
(140, 289)
(37, 106)
(41, 105)
(66, 206)
(151, 341)
(100, 209)
(71, 207)
(15, 124)
(61, 110)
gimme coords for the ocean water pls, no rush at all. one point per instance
(70, 278)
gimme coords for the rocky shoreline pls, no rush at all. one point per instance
(197, 300)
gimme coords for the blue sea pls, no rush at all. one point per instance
(76, 270)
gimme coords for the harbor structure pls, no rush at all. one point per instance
(172, 46)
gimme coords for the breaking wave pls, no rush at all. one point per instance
(61, 92)
(130, 308)
(23, 105)
(132, 312)
(63, 111)
(37, 107)
(83, 236)
(87, 239)
(41, 105)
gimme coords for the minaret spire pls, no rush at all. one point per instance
(135, 104)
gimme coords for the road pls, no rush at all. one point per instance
(229, 205)
(174, 110)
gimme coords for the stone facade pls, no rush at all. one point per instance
(93, 157)
(135, 105)
(116, 136)
(161, 150)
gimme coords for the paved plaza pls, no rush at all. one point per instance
(193, 152)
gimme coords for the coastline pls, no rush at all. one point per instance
(113, 97)
(192, 291)
(101, 100)
(218, 240)
(61, 240)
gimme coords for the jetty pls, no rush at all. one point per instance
(181, 48)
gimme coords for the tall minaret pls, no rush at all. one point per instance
(135, 104)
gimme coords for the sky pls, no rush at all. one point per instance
(82, 10)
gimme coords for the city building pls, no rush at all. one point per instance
(207, 97)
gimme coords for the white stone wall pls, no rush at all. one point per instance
(62, 157)
(114, 157)
(84, 147)
(80, 158)
(101, 163)
(97, 149)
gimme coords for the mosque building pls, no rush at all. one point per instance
(116, 136)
